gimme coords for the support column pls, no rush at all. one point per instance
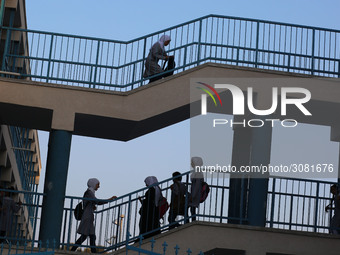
(59, 147)
(335, 137)
(339, 165)
(239, 183)
(258, 185)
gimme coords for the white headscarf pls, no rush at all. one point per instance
(92, 183)
(196, 161)
(163, 39)
(152, 180)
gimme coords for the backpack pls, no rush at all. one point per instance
(163, 206)
(78, 211)
(204, 192)
(171, 65)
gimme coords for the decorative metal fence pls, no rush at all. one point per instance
(118, 65)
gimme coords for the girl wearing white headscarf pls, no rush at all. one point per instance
(156, 53)
(86, 227)
(197, 179)
(149, 213)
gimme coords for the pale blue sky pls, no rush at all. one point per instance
(121, 167)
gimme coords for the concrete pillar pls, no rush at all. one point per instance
(258, 183)
(59, 147)
(239, 183)
(339, 165)
(335, 137)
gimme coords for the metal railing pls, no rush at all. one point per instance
(19, 226)
(15, 248)
(24, 150)
(298, 204)
(292, 204)
(119, 65)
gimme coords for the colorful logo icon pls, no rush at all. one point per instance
(204, 96)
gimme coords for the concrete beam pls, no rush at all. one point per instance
(124, 116)
(206, 236)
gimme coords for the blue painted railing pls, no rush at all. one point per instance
(26, 248)
(24, 150)
(292, 204)
(118, 65)
(21, 226)
(23, 146)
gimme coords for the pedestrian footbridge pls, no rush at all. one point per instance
(76, 85)
(127, 115)
(95, 87)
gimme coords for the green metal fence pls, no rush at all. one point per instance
(118, 65)
(292, 204)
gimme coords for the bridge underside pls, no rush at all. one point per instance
(126, 115)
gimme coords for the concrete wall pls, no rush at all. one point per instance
(204, 237)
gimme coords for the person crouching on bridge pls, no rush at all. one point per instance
(156, 53)
(86, 227)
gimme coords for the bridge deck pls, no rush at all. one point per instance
(127, 115)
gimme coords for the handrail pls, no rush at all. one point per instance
(290, 201)
(133, 192)
(113, 64)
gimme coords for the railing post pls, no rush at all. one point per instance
(222, 205)
(291, 211)
(118, 227)
(36, 204)
(313, 46)
(69, 226)
(273, 204)
(316, 207)
(96, 65)
(143, 62)
(185, 58)
(237, 55)
(257, 43)
(49, 59)
(199, 43)
(128, 223)
(133, 74)
(242, 201)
